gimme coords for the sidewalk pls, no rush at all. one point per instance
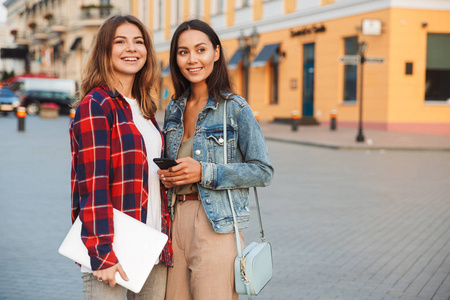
(345, 138)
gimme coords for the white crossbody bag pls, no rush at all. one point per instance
(253, 267)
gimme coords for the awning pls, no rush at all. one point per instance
(166, 71)
(266, 53)
(235, 59)
(75, 43)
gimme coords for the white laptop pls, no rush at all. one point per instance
(137, 246)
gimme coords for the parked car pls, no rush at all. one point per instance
(8, 100)
(33, 99)
(44, 84)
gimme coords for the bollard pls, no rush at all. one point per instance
(21, 114)
(295, 116)
(256, 115)
(333, 116)
(72, 114)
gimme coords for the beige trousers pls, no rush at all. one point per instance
(154, 287)
(203, 259)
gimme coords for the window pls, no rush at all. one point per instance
(437, 87)
(143, 11)
(219, 6)
(158, 11)
(105, 9)
(350, 71)
(175, 17)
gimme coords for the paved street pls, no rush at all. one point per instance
(344, 224)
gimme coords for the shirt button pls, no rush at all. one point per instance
(198, 152)
(208, 201)
(221, 140)
(198, 128)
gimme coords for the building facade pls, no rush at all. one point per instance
(304, 57)
(285, 56)
(58, 34)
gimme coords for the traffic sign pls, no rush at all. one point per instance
(349, 59)
(374, 60)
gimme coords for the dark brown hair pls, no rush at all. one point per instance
(99, 69)
(218, 81)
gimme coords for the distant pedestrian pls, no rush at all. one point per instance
(114, 137)
(204, 244)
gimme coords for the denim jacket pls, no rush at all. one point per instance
(248, 159)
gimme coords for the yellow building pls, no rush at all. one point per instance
(298, 61)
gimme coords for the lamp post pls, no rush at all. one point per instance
(362, 50)
(246, 44)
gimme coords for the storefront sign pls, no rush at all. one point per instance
(308, 30)
(371, 27)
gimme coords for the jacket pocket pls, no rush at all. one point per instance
(215, 142)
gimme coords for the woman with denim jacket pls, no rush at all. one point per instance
(204, 245)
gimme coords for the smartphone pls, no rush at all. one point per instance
(165, 163)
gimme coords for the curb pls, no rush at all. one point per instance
(365, 148)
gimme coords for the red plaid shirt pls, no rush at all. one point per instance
(109, 170)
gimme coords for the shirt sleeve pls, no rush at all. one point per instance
(90, 140)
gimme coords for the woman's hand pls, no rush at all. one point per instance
(162, 176)
(187, 171)
(108, 275)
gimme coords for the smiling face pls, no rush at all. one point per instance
(128, 52)
(196, 56)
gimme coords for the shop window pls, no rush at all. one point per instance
(350, 71)
(437, 87)
(274, 76)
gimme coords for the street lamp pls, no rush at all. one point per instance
(246, 44)
(362, 51)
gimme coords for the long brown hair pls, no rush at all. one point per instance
(218, 81)
(99, 69)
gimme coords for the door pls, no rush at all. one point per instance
(308, 81)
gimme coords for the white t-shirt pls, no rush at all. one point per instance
(153, 145)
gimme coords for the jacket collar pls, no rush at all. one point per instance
(109, 92)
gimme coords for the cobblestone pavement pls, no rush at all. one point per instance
(343, 224)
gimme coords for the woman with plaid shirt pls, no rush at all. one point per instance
(114, 137)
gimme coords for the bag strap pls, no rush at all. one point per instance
(236, 228)
(230, 199)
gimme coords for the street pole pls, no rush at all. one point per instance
(362, 50)
(246, 67)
